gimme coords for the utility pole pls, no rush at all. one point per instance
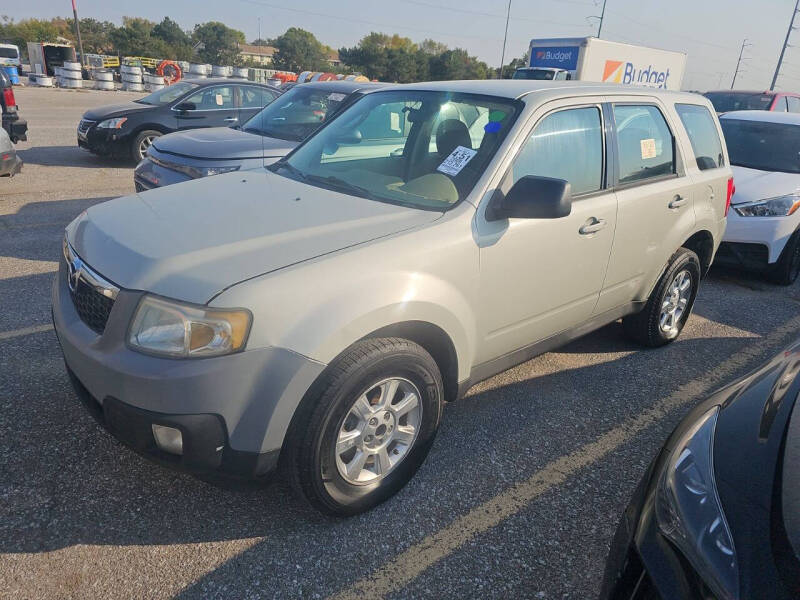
(505, 37)
(785, 44)
(78, 33)
(739, 62)
(602, 16)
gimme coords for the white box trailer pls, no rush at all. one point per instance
(593, 59)
(44, 57)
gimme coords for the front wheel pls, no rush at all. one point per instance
(367, 427)
(787, 269)
(670, 304)
(142, 142)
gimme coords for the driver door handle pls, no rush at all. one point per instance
(592, 226)
(677, 202)
(231, 120)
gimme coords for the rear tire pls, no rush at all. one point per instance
(670, 304)
(787, 269)
(359, 436)
(142, 142)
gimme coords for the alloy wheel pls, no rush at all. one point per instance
(675, 303)
(144, 144)
(378, 431)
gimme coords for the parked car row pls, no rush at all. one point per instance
(365, 253)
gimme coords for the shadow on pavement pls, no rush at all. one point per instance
(70, 156)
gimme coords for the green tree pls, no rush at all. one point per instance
(516, 63)
(457, 64)
(96, 35)
(135, 38)
(299, 50)
(178, 41)
(219, 44)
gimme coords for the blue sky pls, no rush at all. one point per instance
(710, 31)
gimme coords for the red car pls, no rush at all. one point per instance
(730, 100)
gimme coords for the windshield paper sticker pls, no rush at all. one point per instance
(457, 160)
(648, 148)
(336, 97)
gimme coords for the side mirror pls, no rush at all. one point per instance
(533, 197)
(185, 106)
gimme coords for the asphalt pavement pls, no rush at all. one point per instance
(519, 497)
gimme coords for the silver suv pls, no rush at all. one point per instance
(318, 313)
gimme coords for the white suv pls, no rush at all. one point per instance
(319, 312)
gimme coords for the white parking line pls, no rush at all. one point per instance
(411, 563)
(14, 333)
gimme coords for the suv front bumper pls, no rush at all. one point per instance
(233, 411)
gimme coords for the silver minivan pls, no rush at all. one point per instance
(319, 312)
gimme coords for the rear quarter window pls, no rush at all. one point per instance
(703, 135)
(644, 141)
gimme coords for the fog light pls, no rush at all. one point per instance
(168, 439)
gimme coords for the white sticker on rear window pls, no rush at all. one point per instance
(219, 100)
(648, 148)
(457, 160)
(336, 97)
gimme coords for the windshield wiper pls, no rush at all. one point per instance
(292, 169)
(339, 184)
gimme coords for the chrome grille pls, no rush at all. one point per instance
(92, 295)
(84, 125)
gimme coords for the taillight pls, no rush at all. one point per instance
(8, 98)
(731, 192)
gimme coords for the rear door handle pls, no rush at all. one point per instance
(677, 202)
(231, 120)
(592, 226)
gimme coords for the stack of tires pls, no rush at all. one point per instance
(70, 75)
(131, 78)
(198, 71)
(241, 72)
(103, 79)
(218, 71)
(43, 80)
(184, 65)
(153, 83)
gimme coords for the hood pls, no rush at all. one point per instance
(115, 110)
(190, 241)
(222, 143)
(753, 184)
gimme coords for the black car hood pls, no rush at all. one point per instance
(222, 143)
(115, 110)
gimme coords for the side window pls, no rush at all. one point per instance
(568, 145)
(781, 105)
(214, 98)
(253, 97)
(646, 147)
(703, 135)
(794, 104)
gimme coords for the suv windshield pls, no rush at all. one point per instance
(168, 94)
(419, 149)
(296, 114)
(8, 53)
(763, 146)
(730, 101)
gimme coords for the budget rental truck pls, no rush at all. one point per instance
(593, 59)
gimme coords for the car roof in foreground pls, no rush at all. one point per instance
(517, 88)
(345, 87)
(764, 116)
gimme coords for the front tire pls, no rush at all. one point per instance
(670, 304)
(142, 142)
(787, 269)
(366, 427)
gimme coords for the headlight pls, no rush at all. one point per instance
(112, 123)
(781, 206)
(689, 511)
(178, 330)
(209, 171)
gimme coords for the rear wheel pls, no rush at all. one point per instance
(142, 142)
(670, 304)
(787, 269)
(367, 427)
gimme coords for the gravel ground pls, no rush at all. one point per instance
(82, 516)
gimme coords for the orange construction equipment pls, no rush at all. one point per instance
(170, 71)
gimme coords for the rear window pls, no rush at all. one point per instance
(645, 143)
(763, 146)
(9, 53)
(729, 101)
(703, 135)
